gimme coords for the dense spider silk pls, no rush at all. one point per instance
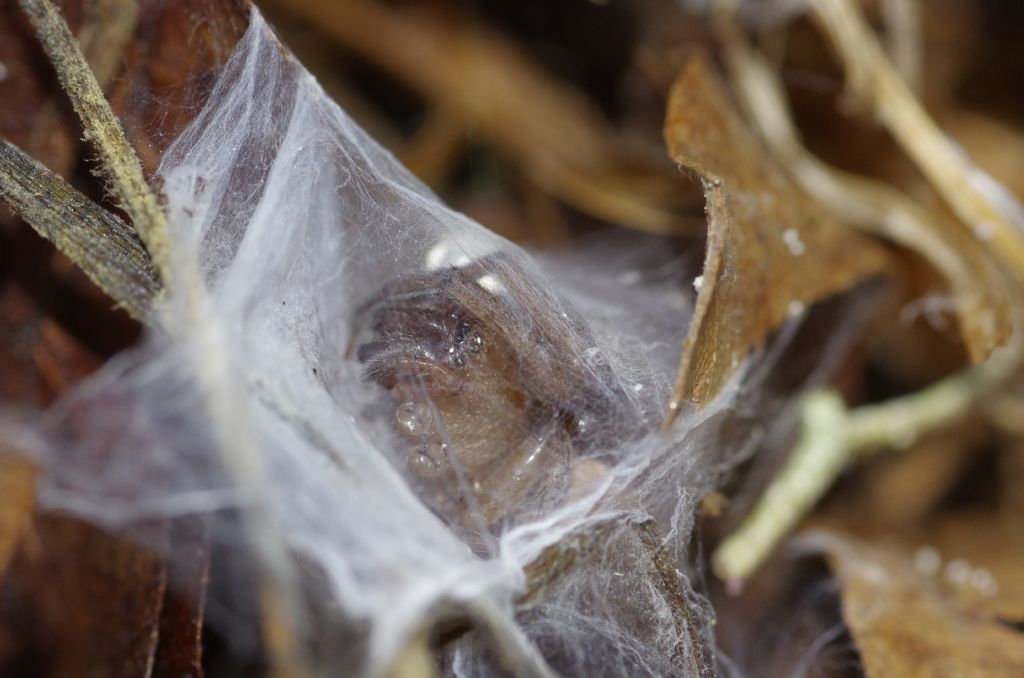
(250, 402)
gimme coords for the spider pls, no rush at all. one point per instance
(488, 388)
(504, 411)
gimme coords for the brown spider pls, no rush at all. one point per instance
(488, 388)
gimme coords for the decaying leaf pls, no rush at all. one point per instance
(179, 652)
(981, 290)
(771, 251)
(179, 49)
(17, 491)
(76, 601)
(42, 357)
(947, 603)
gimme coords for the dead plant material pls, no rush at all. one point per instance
(947, 602)
(771, 250)
(17, 487)
(93, 598)
(982, 291)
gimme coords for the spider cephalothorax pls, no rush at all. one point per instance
(487, 387)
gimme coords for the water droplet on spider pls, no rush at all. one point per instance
(796, 308)
(698, 282)
(414, 419)
(423, 463)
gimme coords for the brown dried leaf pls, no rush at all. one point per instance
(947, 603)
(17, 502)
(28, 84)
(38, 358)
(771, 250)
(173, 52)
(179, 653)
(980, 288)
(77, 601)
(994, 543)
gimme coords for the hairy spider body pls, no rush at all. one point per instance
(488, 395)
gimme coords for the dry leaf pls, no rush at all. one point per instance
(39, 359)
(179, 653)
(933, 607)
(25, 85)
(78, 602)
(174, 54)
(966, 262)
(771, 251)
(17, 502)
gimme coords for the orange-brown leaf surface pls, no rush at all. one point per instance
(17, 501)
(947, 602)
(179, 652)
(76, 601)
(771, 251)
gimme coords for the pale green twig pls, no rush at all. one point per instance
(120, 165)
(832, 437)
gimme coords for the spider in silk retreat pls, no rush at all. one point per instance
(492, 400)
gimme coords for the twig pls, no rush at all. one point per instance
(278, 588)
(100, 243)
(120, 165)
(832, 437)
(872, 78)
(864, 203)
(107, 28)
(903, 40)
(819, 457)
